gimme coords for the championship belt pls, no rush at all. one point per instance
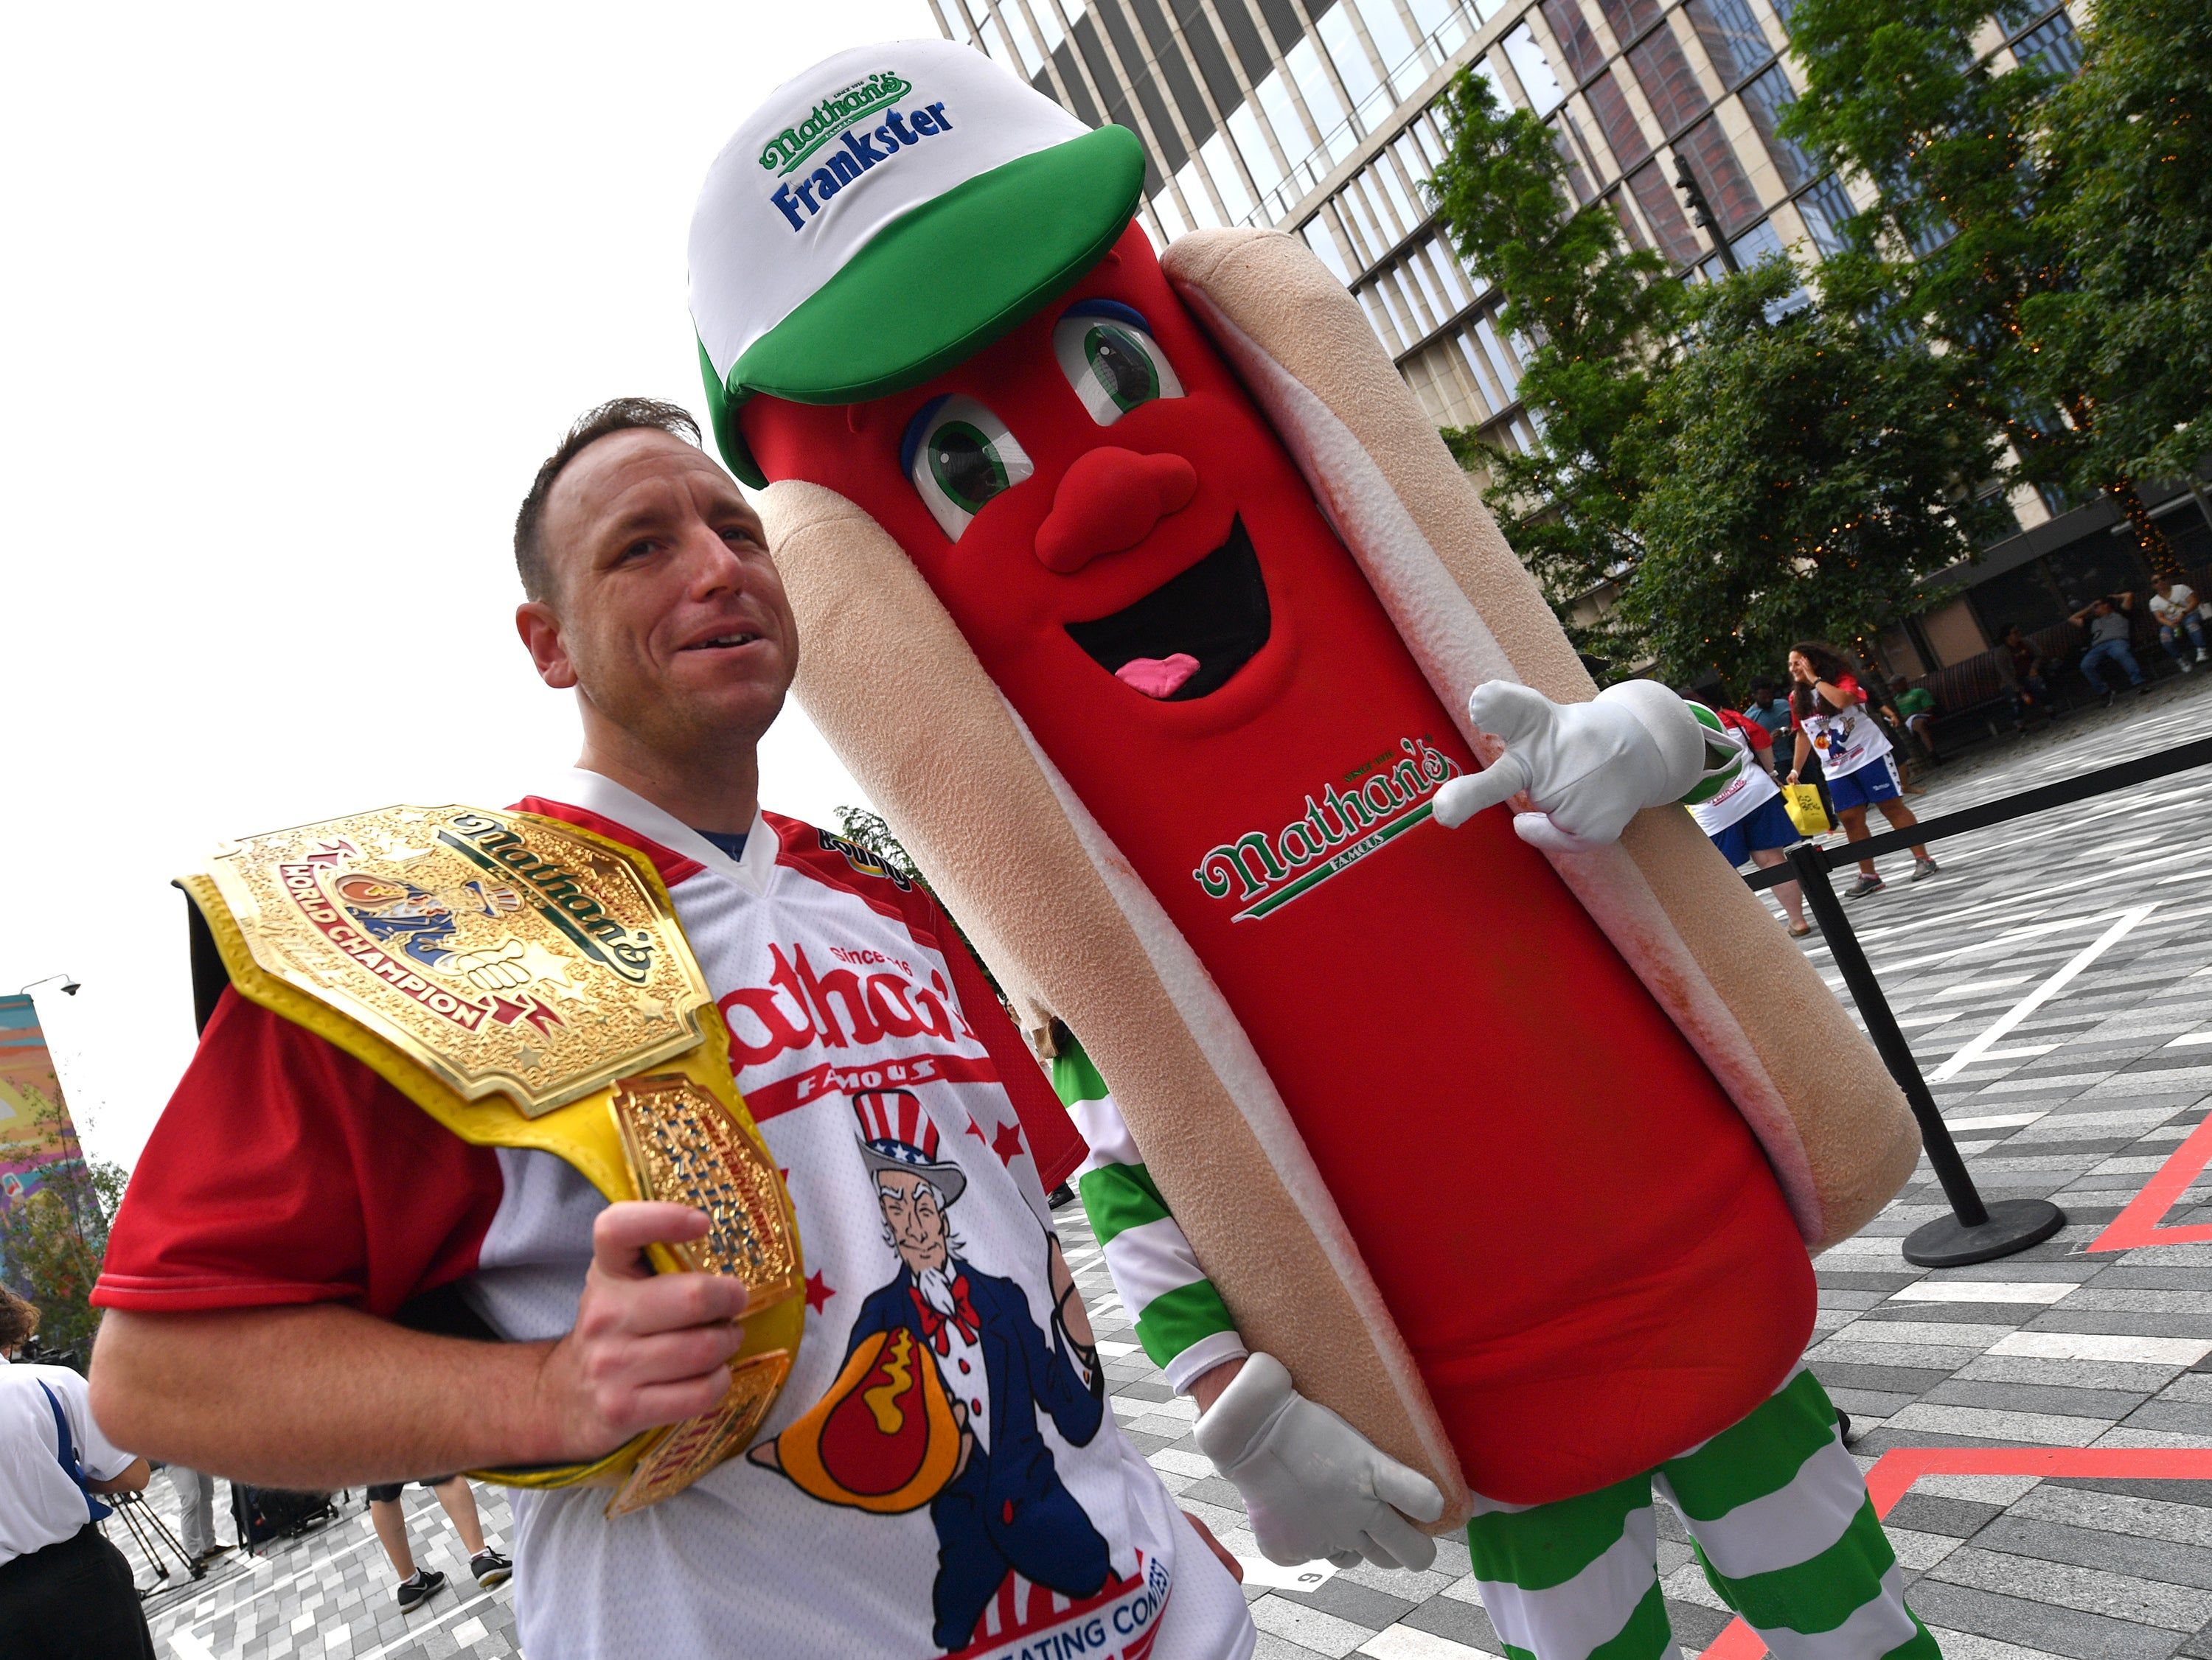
(526, 984)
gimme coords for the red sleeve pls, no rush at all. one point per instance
(1055, 1142)
(1754, 734)
(284, 1170)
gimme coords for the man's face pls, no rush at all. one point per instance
(666, 612)
(910, 1210)
(2101, 608)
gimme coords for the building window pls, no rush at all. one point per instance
(1764, 98)
(1228, 184)
(1629, 227)
(1252, 144)
(1655, 194)
(1172, 223)
(2053, 47)
(1785, 10)
(1670, 84)
(1322, 102)
(1323, 244)
(1718, 173)
(1354, 67)
(1526, 57)
(1827, 209)
(1616, 121)
(1629, 18)
(1732, 37)
(1585, 57)
(1190, 180)
(2013, 16)
(1387, 30)
(1577, 180)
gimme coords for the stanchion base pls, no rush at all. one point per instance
(2013, 1225)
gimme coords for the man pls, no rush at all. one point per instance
(2176, 612)
(1916, 707)
(2109, 618)
(1769, 707)
(65, 1592)
(2029, 689)
(291, 1201)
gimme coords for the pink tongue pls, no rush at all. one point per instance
(1157, 677)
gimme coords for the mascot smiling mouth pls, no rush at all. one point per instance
(1188, 636)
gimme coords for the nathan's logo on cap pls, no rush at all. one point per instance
(839, 110)
(855, 153)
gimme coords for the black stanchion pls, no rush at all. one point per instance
(1973, 1231)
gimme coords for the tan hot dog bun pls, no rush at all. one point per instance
(1071, 931)
(1833, 1123)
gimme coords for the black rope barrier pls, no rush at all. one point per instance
(1975, 1231)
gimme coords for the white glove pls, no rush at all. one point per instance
(1588, 767)
(1314, 1485)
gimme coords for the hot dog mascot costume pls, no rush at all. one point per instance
(1143, 599)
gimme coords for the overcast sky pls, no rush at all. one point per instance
(294, 299)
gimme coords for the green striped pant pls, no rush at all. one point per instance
(1783, 1526)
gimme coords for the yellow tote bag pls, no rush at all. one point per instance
(1803, 803)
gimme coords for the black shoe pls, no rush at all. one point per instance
(490, 1568)
(413, 1593)
(1863, 886)
(1061, 1197)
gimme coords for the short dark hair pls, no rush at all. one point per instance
(18, 1320)
(619, 414)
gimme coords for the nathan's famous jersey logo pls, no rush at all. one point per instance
(864, 861)
(1263, 873)
(839, 110)
(802, 197)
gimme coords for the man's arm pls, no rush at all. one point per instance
(324, 1396)
(132, 1479)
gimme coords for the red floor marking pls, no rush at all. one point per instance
(2140, 1224)
(1896, 1470)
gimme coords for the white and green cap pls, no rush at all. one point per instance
(892, 210)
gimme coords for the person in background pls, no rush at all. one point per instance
(2176, 610)
(195, 1491)
(1770, 708)
(1748, 819)
(2109, 618)
(1916, 707)
(65, 1592)
(2030, 690)
(418, 1584)
(1829, 710)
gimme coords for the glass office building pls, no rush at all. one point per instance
(1320, 118)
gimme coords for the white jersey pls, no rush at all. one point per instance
(1752, 788)
(1055, 1536)
(41, 1503)
(1847, 740)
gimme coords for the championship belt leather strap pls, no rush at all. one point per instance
(526, 984)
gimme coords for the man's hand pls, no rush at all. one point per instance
(1313, 1486)
(1586, 768)
(648, 1348)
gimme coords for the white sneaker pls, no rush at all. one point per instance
(2203, 656)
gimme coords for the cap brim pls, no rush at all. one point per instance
(941, 283)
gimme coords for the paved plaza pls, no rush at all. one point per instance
(2043, 1424)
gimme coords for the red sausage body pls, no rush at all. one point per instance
(1569, 1220)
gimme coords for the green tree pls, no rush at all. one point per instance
(1599, 320)
(1807, 475)
(2131, 138)
(1960, 238)
(53, 1242)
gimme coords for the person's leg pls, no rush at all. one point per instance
(389, 1522)
(1923, 728)
(195, 1493)
(2172, 643)
(459, 1499)
(1787, 1534)
(2126, 659)
(1791, 896)
(2093, 665)
(1576, 1578)
(1902, 817)
(2195, 628)
(1853, 819)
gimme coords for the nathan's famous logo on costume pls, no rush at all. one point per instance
(937, 1403)
(856, 153)
(830, 116)
(1381, 800)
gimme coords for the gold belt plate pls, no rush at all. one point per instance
(502, 952)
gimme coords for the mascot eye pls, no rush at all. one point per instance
(959, 455)
(1108, 355)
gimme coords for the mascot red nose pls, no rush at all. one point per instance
(1145, 605)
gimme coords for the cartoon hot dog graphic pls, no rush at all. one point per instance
(1143, 600)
